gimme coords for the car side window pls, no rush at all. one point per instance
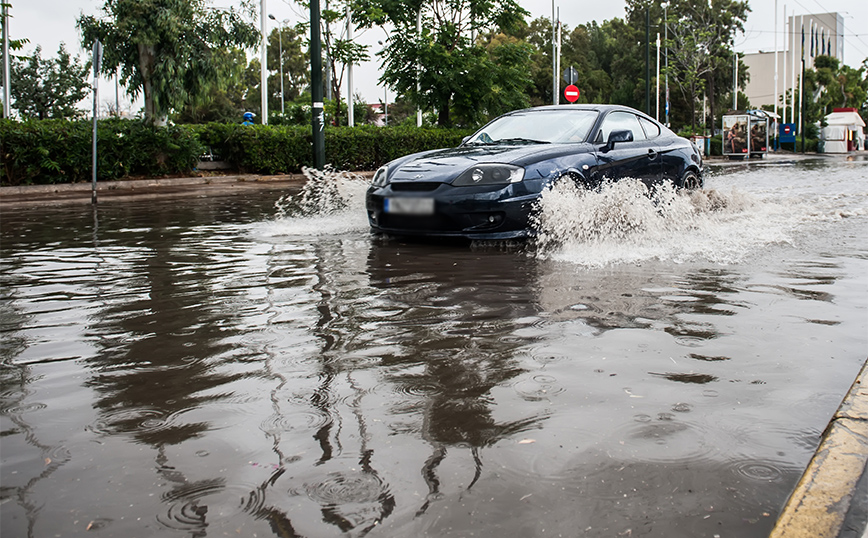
(652, 130)
(620, 121)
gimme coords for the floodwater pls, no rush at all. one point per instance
(226, 367)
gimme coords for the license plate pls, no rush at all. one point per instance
(409, 206)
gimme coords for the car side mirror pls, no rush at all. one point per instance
(619, 136)
(465, 139)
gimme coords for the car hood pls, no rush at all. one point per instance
(444, 165)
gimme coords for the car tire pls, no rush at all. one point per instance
(690, 180)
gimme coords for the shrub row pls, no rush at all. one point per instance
(59, 151)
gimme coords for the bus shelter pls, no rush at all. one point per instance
(746, 134)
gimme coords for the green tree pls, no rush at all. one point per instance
(607, 58)
(701, 35)
(339, 50)
(224, 100)
(49, 88)
(454, 69)
(166, 49)
(296, 64)
(831, 85)
(296, 74)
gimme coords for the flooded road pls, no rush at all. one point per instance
(220, 367)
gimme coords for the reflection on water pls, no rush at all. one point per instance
(217, 367)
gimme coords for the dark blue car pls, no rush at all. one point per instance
(486, 187)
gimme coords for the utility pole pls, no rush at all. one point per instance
(418, 67)
(648, 60)
(666, 41)
(97, 63)
(263, 71)
(776, 68)
(318, 115)
(351, 120)
(7, 101)
(555, 92)
(657, 93)
(280, 61)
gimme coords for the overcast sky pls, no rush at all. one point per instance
(49, 22)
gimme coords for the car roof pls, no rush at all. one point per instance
(585, 106)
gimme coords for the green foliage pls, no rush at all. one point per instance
(55, 151)
(49, 88)
(273, 149)
(166, 49)
(833, 85)
(58, 151)
(453, 71)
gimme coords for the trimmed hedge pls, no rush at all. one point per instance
(59, 151)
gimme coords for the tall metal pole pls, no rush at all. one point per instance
(648, 61)
(7, 101)
(351, 119)
(734, 80)
(555, 93)
(97, 61)
(263, 71)
(776, 66)
(657, 78)
(784, 81)
(802, 89)
(280, 61)
(558, 60)
(666, 39)
(793, 71)
(418, 66)
(318, 119)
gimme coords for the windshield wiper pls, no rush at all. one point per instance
(521, 141)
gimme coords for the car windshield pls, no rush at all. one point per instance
(537, 127)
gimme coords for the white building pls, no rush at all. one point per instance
(823, 35)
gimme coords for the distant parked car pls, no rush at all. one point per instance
(486, 187)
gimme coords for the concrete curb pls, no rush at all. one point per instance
(819, 505)
(137, 189)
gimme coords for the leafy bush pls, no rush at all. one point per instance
(273, 149)
(58, 151)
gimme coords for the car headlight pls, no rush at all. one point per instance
(381, 178)
(490, 174)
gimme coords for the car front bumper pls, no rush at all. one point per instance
(471, 212)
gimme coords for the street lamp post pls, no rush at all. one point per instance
(263, 75)
(280, 61)
(666, 55)
(385, 95)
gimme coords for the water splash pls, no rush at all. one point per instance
(628, 222)
(330, 202)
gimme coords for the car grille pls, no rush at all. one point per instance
(416, 223)
(414, 186)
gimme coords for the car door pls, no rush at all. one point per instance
(670, 158)
(638, 158)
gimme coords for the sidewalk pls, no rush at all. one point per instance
(138, 189)
(831, 499)
(785, 157)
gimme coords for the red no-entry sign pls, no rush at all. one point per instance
(571, 93)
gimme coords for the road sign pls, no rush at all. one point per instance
(571, 76)
(571, 93)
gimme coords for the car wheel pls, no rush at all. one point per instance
(689, 180)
